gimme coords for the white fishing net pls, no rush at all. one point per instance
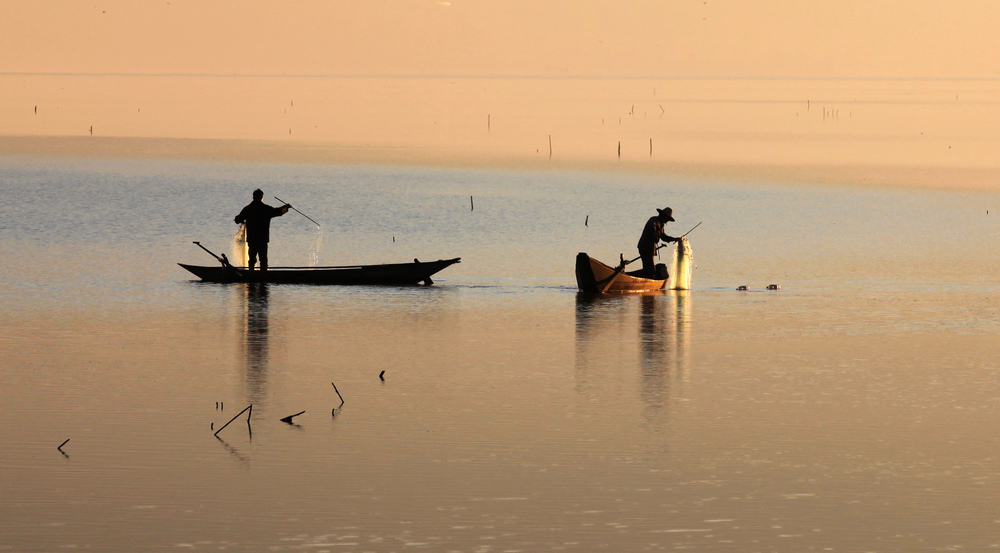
(240, 250)
(680, 267)
(317, 246)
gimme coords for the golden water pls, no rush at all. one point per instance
(854, 409)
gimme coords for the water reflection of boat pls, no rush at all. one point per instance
(390, 273)
(256, 339)
(592, 276)
(663, 342)
(661, 321)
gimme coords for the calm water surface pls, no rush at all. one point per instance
(853, 410)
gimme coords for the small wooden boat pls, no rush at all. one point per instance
(592, 276)
(395, 273)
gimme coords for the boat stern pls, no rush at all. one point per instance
(585, 279)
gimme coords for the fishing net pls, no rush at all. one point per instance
(680, 267)
(240, 250)
(317, 246)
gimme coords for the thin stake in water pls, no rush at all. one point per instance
(248, 408)
(333, 412)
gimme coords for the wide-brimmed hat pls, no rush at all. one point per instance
(666, 213)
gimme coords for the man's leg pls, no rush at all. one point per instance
(262, 251)
(252, 256)
(648, 266)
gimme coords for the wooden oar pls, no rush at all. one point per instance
(224, 260)
(618, 271)
(299, 212)
(611, 280)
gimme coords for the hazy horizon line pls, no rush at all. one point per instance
(471, 76)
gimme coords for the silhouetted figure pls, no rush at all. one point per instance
(257, 217)
(652, 233)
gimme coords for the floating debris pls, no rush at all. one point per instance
(773, 287)
(742, 288)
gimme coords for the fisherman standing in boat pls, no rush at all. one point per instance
(257, 217)
(652, 233)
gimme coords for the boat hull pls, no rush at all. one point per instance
(595, 277)
(393, 274)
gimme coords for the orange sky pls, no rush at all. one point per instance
(786, 38)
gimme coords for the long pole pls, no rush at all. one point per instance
(299, 212)
(692, 228)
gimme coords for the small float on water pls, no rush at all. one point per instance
(418, 272)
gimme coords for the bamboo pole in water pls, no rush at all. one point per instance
(248, 408)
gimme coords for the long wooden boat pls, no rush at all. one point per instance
(595, 277)
(393, 273)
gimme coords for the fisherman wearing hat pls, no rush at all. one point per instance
(652, 233)
(257, 217)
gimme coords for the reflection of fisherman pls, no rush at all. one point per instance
(652, 233)
(257, 217)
